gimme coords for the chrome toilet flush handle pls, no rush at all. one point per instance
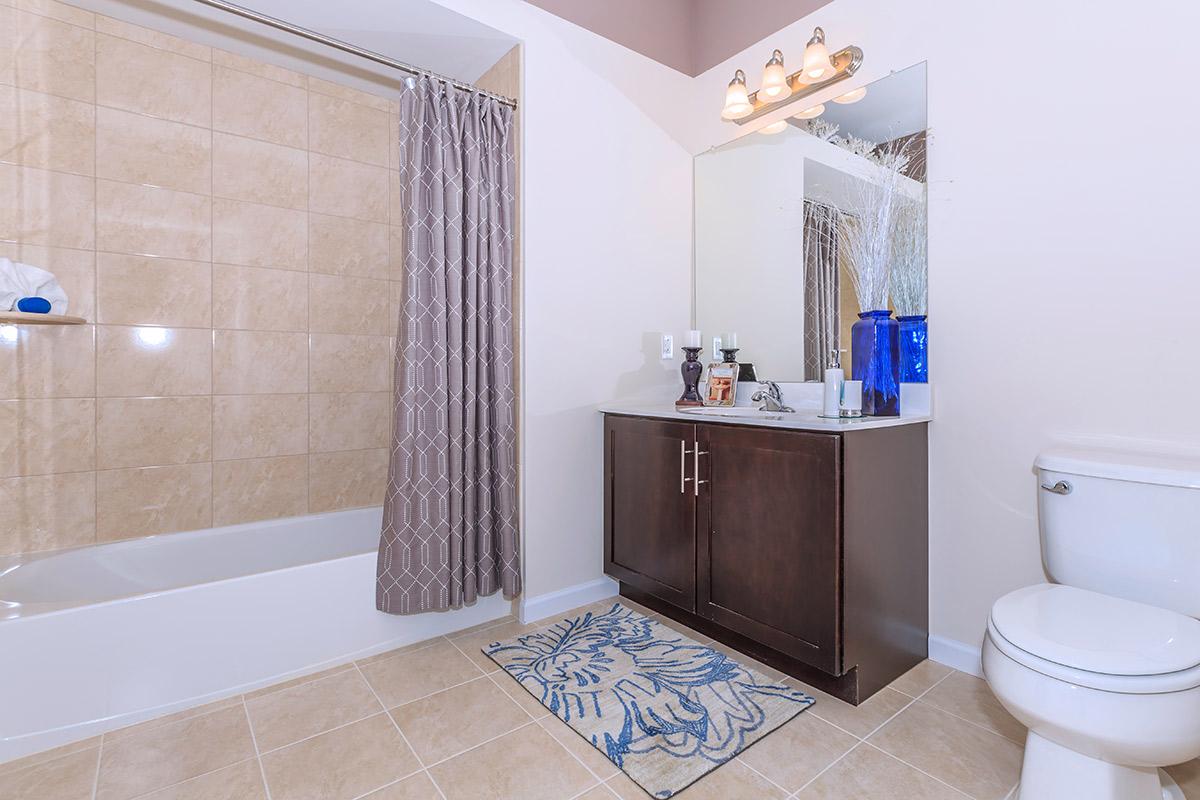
(1062, 487)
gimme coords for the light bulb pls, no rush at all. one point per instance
(817, 66)
(774, 80)
(774, 127)
(811, 113)
(737, 99)
(852, 96)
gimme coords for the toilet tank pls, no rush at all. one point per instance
(1129, 526)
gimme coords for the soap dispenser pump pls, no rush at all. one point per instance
(835, 380)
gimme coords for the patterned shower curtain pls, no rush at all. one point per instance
(821, 294)
(450, 513)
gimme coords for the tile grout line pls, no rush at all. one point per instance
(403, 738)
(826, 768)
(262, 770)
(981, 727)
(756, 772)
(96, 778)
(401, 779)
(212, 322)
(95, 315)
(918, 769)
(194, 777)
(520, 727)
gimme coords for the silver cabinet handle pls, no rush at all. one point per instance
(1062, 487)
(683, 451)
(696, 453)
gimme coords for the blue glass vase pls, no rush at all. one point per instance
(914, 349)
(875, 360)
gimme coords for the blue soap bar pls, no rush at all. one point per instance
(34, 305)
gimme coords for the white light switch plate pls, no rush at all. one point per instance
(717, 348)
(668, 346)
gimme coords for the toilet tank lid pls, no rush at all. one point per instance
(1097, 633)
(1157, 468)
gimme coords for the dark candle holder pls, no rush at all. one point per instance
(730, 354)
(690, 369)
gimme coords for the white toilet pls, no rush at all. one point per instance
(1103, 666)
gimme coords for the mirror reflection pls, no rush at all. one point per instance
(799, 233)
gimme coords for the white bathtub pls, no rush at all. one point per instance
(101, 637)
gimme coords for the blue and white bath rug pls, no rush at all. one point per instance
(662, 707)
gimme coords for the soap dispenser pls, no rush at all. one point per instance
(835, 379)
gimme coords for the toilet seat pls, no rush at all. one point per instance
(1097, 641)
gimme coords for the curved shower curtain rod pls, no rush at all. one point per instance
(346, 47)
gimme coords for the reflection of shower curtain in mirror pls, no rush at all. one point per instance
(821, 300)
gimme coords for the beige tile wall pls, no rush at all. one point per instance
(224, 227)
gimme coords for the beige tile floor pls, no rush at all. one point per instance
(439, 721)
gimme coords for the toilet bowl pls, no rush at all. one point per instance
(1109, 689)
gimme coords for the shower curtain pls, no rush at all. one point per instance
(450, 514)
(821, 294)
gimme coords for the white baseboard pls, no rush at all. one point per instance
(960, 655)
(551, 603)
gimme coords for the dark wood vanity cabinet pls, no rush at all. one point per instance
(807, 551)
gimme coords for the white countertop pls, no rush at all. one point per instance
(802, 419)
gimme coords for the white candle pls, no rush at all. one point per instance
(852, 396)
(731, 342)
(693, 339)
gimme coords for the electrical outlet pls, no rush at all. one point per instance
(668, 346)
(717, 348)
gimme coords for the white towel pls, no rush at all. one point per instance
(19, 280)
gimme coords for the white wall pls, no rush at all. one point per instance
(1062, 255)
(607, 246)
(749, 220)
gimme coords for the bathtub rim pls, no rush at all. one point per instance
(9, 615)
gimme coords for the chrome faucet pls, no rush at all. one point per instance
(771, 398)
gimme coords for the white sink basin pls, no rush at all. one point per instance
(742, 413)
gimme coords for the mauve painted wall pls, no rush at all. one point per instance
(659, 29)
(722, 28)
(688, 35)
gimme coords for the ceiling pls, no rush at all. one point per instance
(690, 36)
(418, 32)
(413, 31)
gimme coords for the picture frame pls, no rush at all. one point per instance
(722, 384)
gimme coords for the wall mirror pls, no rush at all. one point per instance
(773, 261)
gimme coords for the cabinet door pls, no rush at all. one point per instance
(650, 507)
(769, 536)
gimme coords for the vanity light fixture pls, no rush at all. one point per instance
(852, 96)
(821, 70)
(737, 101)
(811, 113)
(774, 127)
(817, 66)
(774, 80)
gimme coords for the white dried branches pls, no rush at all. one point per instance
(822, 129)
(910, 269)
(866, 232)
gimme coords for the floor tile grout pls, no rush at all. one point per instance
(752, 769)
(401, 779)
(262, 770)
(972, 722)
(403, 738)
(890, 754)
(520, 727)
(826, 768)
(194, 777)
(96, 779)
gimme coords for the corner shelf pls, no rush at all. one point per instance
(25, 318)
